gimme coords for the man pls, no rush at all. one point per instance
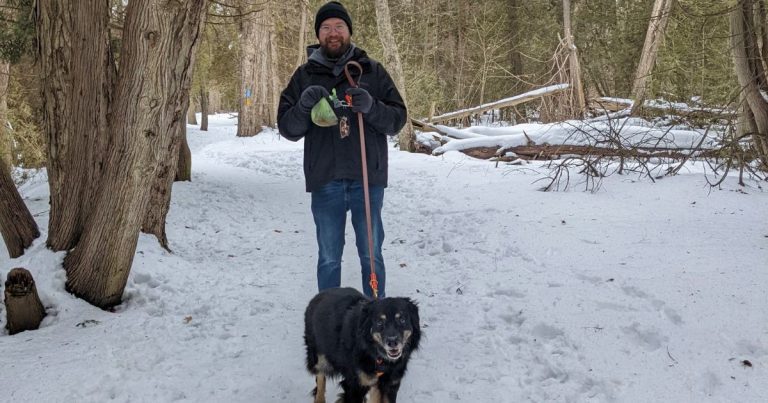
(332, 161)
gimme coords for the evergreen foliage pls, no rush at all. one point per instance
(695, 60)
(24, 119)
(17, 29)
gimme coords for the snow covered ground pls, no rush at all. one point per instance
(639, 292)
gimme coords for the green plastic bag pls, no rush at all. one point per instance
(322, 113)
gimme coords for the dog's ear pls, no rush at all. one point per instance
(413, 313)
(364, 322)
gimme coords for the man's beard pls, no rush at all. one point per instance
(335, 53)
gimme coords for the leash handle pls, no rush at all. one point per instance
(347, 73)
(374, 283)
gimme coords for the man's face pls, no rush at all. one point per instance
(334, 37)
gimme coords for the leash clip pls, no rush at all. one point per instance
(337, 103)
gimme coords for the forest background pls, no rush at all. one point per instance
(454, 54)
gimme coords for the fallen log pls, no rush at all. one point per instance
(426, 127)
(23, 308)
(503, 103)
(549, 152)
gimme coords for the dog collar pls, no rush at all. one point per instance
(380, 367)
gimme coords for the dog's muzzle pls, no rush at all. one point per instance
(394, 347)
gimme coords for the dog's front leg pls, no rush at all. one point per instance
(389, 393)
(320, 388)
(374, 394)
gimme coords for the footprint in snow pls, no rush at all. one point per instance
(649, 339)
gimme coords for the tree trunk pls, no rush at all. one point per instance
(17, 226)
(24, 311)
(173, 168)
(273, 70)
(77, 70)
(761, 48)
(204, 112)
(653, 39)
(160, 196)
(5, 137)
(757, 116)
(515, 57)
(461, 34)
(407, 137)
(191, 115)
(257, 106)
(578, 103)
(301, 55)
(184, 165)
(77, 74)
(159, 40)
(758, 46)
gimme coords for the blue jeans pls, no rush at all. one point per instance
(330, 204)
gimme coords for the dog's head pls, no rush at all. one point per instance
(393, 324)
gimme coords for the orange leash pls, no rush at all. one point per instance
(374, 283)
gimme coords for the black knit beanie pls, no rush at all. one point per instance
(332, 9)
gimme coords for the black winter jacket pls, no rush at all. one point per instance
(327, 156)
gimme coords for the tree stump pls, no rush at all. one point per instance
(24, 311)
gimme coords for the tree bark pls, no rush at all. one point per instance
(257, 101)
(160, 196)
(77, 75)
(407, 137)
(24, 311)
(653, 39)
(159, 40)
(17, 226)
(174, 168)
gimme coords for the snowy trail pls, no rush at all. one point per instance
(640, 292)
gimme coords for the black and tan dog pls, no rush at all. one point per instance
(366, 342)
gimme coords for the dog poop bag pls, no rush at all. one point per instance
(323, 115)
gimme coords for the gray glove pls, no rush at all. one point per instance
(362, 101)
(310, 96)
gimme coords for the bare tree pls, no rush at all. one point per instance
(146, 104)
(258, 100)
(301, 55)
(574, 67)
(746, 58)
(407, 136)
(656, 30)
(461, 45)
